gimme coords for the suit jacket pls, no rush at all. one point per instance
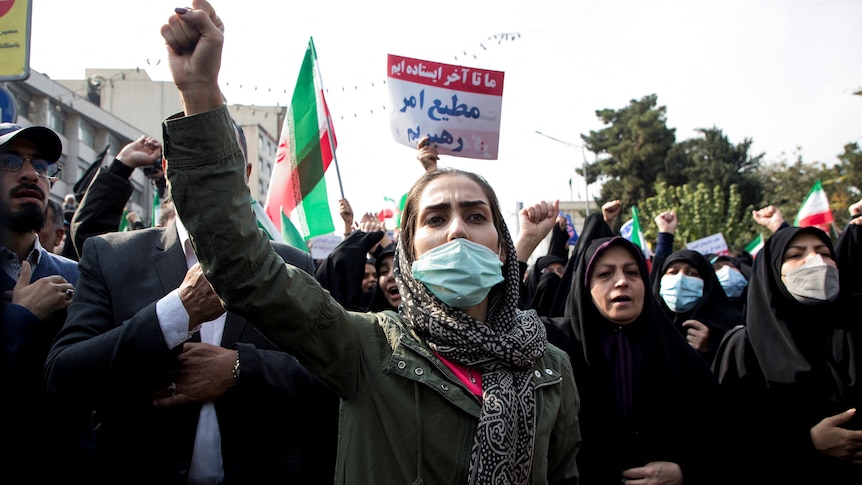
(278, 424)
(101, 208)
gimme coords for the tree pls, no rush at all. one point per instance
(638, 159)
(713, 160)
(786, 184)
(842, 183)
(702, 212)
(635, 145)
(850, 166)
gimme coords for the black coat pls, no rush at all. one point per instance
(671, 386)
(278, 424)
(713, 309)
(342, 271)
(790, 367)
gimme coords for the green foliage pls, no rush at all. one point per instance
(640, 163)
(850, 167)
(713, 160)
(634, 146)
(701, 212)
(844, 186)
(786, 184)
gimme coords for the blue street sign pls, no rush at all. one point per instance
(8, 107)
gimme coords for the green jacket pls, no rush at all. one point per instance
(405, 418)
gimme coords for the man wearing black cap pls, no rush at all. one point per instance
(37, 286)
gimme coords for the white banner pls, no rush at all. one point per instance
(457, 107)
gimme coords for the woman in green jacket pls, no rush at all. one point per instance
(458, 385)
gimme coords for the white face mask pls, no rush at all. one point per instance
(814, 282)
(732, 280)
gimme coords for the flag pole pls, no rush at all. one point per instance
(328, 120)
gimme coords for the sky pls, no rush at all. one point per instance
(782, 73)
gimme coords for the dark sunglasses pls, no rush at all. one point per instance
(12, 162)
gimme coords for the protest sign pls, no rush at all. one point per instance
(714, 244)
(458, 107)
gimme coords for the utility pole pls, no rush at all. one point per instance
(583, 153)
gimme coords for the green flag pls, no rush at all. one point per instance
(264, 223)
(123, 222)
(157, 209)
(755, 246)
(306, 148)
(636, 228)
(291, 235)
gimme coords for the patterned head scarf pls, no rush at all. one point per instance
(504, 348)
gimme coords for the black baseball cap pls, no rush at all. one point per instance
(49, 144)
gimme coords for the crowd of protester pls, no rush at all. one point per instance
(197, 351)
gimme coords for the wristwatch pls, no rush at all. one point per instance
(236, 367)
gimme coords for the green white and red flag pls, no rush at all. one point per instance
(815, 210)
(755, 246)
(632, 231)
(392, 209)
(297, 201)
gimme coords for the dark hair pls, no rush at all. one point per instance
(57, 216)
(167, 212)
(389, 250)
(240, 138)
(411, 205)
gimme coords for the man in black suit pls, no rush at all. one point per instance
(181, 391)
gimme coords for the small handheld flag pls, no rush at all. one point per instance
(755, 246)
(815, 210)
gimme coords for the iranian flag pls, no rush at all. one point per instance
(297, 201)
(392, 210)
(389, 210)
(631, 230)
(815, 210)
(755, 246)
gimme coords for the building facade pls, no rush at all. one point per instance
(112, 107)
(84, 128)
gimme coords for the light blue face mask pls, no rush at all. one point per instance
(731, 280)
(680, 292)
(460, 272)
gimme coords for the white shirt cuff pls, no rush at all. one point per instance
(173, 319)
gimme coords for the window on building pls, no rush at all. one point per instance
(64, 174)
(76, 166)
(57, 119)
(270, 149)
(263, 186)
(86, 134)
(22, 100)
(115, 145)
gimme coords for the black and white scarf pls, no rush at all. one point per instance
(504, 348)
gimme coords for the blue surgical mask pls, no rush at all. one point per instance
(731, 280)
(680, 292)
(460, 272)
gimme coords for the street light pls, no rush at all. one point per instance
(586, 183)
